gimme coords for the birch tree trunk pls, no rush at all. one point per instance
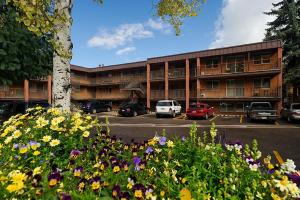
(61, 92)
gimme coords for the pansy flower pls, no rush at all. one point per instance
(149, 150)
(162, 141)
(115, 168)
(103, 165)
(77, 171)
(65, 196)
(81, 184)
(53, 179)
(95, 183)
(125, 165)
(116, 191)
(138, 191)
(74, 153)
(124, 196)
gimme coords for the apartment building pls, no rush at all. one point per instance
(226, 78)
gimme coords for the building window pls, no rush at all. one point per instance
(261, 59)
(235, 88)
(212, 85)
(107, 90)
(212, 63)
(235, 64)
(261, 83)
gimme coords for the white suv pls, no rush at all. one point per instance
(167, 107)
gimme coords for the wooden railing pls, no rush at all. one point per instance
(38, 94)
(177, 94)
(12, 93)
(266, 92)
(177, 73)
(157, 75)
(157, 94)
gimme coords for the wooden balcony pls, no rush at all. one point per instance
(157, 94)
(12, 93)
(38, 94)
(240, 68)
(177, 94)
(157, 75)
(267, 92)
(178, 73)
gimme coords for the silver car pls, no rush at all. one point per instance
(291, 112)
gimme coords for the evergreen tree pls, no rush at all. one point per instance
(286, 27)
(23, 55)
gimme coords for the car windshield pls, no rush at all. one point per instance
(260, 105)
(197, 106)
(164, 103)
(296, 106)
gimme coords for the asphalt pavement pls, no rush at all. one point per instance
(281, 136)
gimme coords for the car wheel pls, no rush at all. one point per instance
(206, 116)
(173, 114)
(157, 116)
(94, 111)
(135, 113)
(108, 109)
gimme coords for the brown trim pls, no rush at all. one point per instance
(241, 74)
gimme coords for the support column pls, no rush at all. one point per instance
(198, 80)
(166, 80)
(49, 88)
(249, 62)
(187, 84)
(26, 93)
(279, 80)
(148, 86)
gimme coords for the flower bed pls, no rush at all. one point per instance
(50, 154)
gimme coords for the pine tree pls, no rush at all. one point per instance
(286, 27)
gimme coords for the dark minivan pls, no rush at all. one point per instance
(132, 109)
(95, 107)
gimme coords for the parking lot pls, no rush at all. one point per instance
(281, 136)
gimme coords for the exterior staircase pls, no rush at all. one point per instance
(135, 87)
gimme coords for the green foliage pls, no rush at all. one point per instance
(174, 11)
(53, 154)
(286, 27)
(23, 55)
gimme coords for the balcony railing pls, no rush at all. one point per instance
(266, 92)
(157, 75)
(38, 94)
(193, 94)
(177, 73)
(177, 94)
(157, 94)
(12, 93)
(235, 92)
(246, 66)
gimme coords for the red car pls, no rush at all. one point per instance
(202, 110)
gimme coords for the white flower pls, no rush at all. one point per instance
(289, 166)
(294, 190)
(253, 167)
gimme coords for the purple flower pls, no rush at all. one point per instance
(16, 146)
(125, 195)
(75, 153)
(183, 138)
(64, 196)
(116, 191)
(136, 160)
(162, 141)
(295, 178)
(149, 150)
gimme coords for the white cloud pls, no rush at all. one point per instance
(120, 36)
(242, 21)
(159, 25)
(125, 51)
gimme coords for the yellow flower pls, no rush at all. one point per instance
(15, 187)
(8, 140)
(52, 182)
(23, 149)
(183, 180)
(116, 169)
(95, 185)
(86, 134)
(138, 193)
(46, 138)
(162, 193)
(81, 186)
(185, 194)
(41, 122)
(54, 142)
(36, 153)
(170, 144)
(17, 176)
(37, 170)
(17, 133)
(88, 117)
(77, 173)
(275, 196)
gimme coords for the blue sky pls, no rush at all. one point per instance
(126, 31)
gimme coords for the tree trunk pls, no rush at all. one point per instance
(61, 64)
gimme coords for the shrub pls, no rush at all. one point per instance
(53, 154)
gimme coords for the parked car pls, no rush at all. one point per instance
(291, 112)
(261, 111)
(10, 108)
(167, 107)
(202, 110)
(95, 107)
(132, 109)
